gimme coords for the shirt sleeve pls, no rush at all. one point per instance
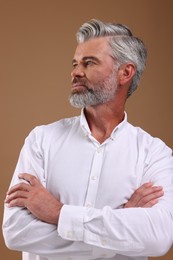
(130, 231)
(23, 231)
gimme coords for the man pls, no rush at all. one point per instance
(71, 196)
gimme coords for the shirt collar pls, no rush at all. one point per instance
(85, 127)
(84, 124)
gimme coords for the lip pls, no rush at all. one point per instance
(78, 88)
(77, 85)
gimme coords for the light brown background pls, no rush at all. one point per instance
(36, 47)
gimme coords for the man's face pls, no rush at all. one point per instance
(94, 76)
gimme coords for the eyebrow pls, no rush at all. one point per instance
(87, 58)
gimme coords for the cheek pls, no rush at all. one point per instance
(98, 76)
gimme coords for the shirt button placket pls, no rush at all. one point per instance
(94, 177)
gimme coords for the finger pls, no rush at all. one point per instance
(150, 204)
(31, 179)
(19, 202)
(149, 190)
(15, 195)
(139, 193)
(19, 186)
(142, 195)
(145, 200)
(144, 191)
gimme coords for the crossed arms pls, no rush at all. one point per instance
(43, 205)
(43, 210)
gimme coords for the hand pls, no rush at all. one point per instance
(145, 196)
(37, 199)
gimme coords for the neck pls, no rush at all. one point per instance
(102, 119)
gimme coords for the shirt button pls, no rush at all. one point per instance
(103, 242)
(89, 205)
(94, 178)
(104, 255)
(69, 234)
(99, 150)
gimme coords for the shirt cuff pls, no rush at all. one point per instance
(70, 225)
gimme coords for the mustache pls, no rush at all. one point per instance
(84, 82)
(80, 81)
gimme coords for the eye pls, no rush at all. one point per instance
(88, 63)
(74, 64)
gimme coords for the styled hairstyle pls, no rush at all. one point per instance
(125, 47)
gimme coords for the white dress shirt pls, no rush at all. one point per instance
(93, 181)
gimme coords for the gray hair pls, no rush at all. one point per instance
(125, 47)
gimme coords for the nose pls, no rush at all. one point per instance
(77, 71)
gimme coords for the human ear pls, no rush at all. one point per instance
(126, 73)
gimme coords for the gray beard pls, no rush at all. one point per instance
(100, 94)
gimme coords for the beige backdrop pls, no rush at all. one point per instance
(37, 44)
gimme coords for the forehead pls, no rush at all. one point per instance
(97, 47)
